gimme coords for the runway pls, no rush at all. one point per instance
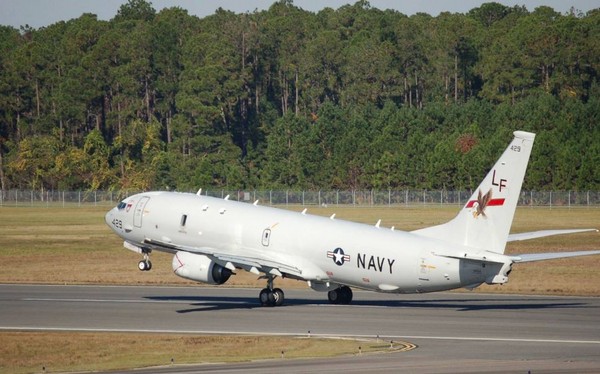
(454, 332)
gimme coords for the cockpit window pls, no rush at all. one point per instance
(121, 205)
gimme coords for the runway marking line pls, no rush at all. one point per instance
(123, 301)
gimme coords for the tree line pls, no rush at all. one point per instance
(353, 98)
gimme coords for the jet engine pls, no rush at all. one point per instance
(199, 268)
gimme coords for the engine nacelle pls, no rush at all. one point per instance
(199, 268)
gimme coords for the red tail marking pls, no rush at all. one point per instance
(493, 202)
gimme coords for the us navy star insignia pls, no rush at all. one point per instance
(338, 256)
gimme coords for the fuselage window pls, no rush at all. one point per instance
(183, 219)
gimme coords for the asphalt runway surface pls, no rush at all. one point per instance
(453, 332)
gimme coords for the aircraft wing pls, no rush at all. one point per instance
(246, 259)
(530, 257)
(543, 233)
(260, 263)
(165, 246)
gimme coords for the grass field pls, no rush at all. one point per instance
(29, 352)
(74, 246)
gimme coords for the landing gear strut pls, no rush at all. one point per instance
(342, 295)
(145, 264)
(271, 296)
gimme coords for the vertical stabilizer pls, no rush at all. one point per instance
(484, 222)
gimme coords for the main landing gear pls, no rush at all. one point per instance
(341, 295)
(271, 296)
(145, 264)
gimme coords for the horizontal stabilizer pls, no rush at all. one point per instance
(530, 257)
(543, 233)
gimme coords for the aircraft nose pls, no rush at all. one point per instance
(109, 217)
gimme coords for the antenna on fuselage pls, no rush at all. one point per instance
(378, 223)
(199, 192)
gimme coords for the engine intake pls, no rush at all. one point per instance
(199, 268)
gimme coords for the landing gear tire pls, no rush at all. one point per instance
(342, 295)
(145, 265)
(334, 296)
(273, 297)
(279, 296)
(264, 296)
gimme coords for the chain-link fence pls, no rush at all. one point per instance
(309, 198)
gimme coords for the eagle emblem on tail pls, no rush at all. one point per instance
(481, 203)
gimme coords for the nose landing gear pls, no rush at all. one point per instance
(145, 264)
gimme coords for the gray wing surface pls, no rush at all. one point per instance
(530, 257)
(544, 233)
(246, 258)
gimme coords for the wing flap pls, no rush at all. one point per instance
(259, 263)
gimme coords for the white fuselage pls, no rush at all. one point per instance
(326, 250)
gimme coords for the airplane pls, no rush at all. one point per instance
(210, 238)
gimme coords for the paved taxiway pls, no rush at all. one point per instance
(454, 332)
